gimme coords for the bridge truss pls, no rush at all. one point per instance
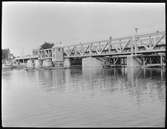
(139, 44)
(149, 50)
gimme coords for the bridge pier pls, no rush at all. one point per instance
(47, 63)
(57, 56)
(30, 63)
(67, 63)
(132, 61)
(38, 63)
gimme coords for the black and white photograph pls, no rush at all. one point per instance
(83, 64)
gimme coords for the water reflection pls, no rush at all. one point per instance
(139, 83)
(52, 80)
(146, 82)
(122, 96)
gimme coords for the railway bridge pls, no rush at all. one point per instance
(139, 50)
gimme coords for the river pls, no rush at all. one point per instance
(80, 97)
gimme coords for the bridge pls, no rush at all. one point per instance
(138, 50)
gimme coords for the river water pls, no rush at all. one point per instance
(80, 97)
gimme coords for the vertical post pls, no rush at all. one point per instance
(114, 72)
(114, 61)
(144, 70)
(136, 30)
(161, 74)
(122, 61)
(132, 45)
(150, 61)
(161, 61)
(45, 53)
(90, 52)
(135, 46)
(144, 61)
(110, 39)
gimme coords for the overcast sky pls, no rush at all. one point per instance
(25, 26)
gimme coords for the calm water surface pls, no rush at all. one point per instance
(84, 98)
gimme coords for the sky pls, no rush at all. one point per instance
(27, 25)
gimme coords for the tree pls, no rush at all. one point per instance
(46, 45)
(5, 54)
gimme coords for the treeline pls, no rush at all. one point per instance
(6, 54)
(46, 45)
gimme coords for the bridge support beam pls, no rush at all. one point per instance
(132, 61)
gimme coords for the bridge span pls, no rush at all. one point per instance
(138, 50)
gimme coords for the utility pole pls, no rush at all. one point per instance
(110, 41)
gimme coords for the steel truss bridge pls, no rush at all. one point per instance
(148, 48)
(139, 44)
